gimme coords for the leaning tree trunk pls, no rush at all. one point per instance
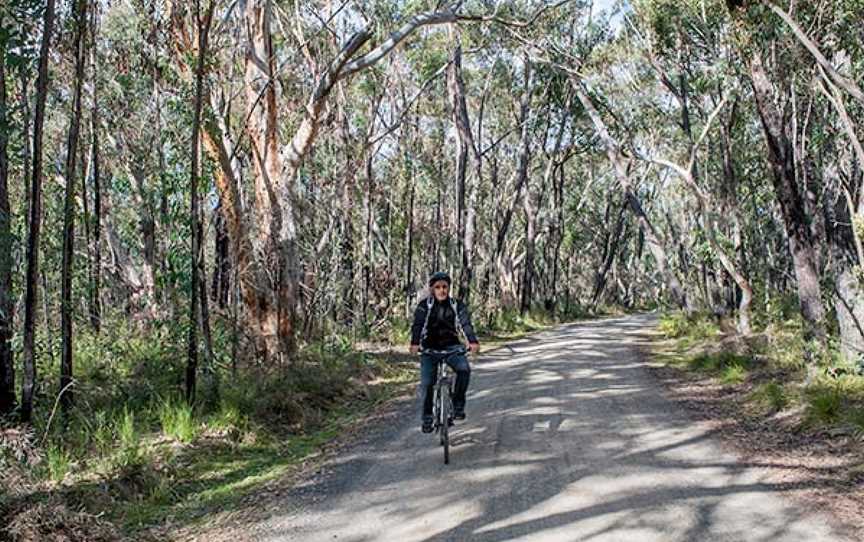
(35, 221)
(801, 245)
(7, 304)
(610, 250)
(66, 371)
(622, 166)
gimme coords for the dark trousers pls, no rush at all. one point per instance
(429, 374)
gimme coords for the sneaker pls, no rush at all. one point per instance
(458, 413)
(427, 424)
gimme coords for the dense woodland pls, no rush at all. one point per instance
(240, 180)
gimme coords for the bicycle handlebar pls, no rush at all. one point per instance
(461, 350)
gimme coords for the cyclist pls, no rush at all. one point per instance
(437, 321)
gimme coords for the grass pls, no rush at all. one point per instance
(178, 421)
(219, 474)
(57, 463)
(769, 397)
(836, 402)
(770, 367)
(133, 452)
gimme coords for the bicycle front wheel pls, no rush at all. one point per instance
(445, 424)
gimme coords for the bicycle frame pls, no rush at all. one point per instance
(442, 406)
(443, 383)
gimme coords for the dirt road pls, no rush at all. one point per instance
(567, 438)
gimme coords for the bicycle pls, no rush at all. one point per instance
(442, 406)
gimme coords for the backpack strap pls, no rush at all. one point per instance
(455, 306)
(429, 302)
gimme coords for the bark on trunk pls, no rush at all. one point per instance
(270, 292)
(466, 191)
(504, 263)
(7, 305)
(804, 252)
(35, 220)
(66, 362)
(203, 26)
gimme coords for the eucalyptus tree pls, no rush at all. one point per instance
(7, 367)
(71, 171)
(35, 220)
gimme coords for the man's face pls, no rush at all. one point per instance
(441, 290)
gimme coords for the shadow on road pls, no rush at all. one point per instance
(568, 438)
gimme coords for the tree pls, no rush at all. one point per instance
(7, 306)
(66, 371)
(34, 222)
(203, 26)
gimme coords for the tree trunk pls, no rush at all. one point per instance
(464, 144)
(409, 244)
(35, 221)
(610, 249)
(95, 300)
(781, 154)
(203, 26)
(845, 248)
(366, 289)
(66, 362)
(270, 292)
(530, 249)
(147, 229)
(221, 287)
(7, 305)
(348, 308)
(504, 263)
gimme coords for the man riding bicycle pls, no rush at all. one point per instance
(437, 321)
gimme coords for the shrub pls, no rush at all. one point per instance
(695, 327)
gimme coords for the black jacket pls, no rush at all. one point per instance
(435, 323)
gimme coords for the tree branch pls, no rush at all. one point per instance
(839, 79)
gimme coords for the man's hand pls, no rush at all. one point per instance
(474, 348)
(414, 348)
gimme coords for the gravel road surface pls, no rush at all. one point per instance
(568, 438)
